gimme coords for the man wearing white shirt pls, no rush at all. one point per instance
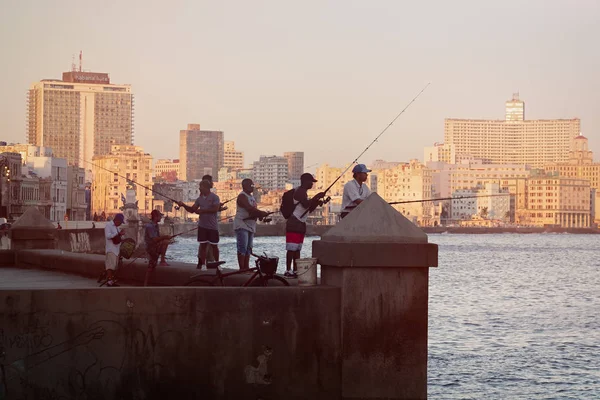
(113, 246)
(355, 191)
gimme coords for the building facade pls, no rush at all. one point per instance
(167, 169)
(549, 199)
(200, 152)
(580, 165)
(11, 205)
(110, 180)
(80, 116)
(295, 165)
(232, 159)
(76, 204)
(514, 140)
(270, 172)
(52, 174)
(407, 182)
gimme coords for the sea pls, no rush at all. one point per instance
(511, 316)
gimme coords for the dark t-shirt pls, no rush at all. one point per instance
(208, 221)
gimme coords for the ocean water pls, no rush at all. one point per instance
(511, 316)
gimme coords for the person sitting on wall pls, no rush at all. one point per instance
(356, 190)
(113, 237)
(156, 245)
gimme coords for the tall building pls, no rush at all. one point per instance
(270, 172)
(200, 152)
(76, 204)
(80, 116)
(295, 165)
(440, 152)
(232, 158)
(111, 171)
(514, 140)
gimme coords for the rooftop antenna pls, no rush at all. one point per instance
(80, 60)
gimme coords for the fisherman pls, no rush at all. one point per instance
(156, 245)
(210, 257)
(295, 226)
(244, 223)
(207, 205)
(356, 190)
(113, 237)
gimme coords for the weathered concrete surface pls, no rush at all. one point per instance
(171, 343)
(132, 272)
(19, 278)
(380, 261)
(33, 231)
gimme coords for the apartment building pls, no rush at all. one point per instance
(580, 165)
(549, 199)
(80, 116)
(407, 182)
(270, 172)
(52, 175)
(76, 202)
(167, 169)
(513, 140)
(200, 153)
(295, 166)
(232, 159)
(110, 174)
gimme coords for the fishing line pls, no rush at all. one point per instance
(378, 136)
(447, 198)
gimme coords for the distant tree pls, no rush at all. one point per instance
(483, 213)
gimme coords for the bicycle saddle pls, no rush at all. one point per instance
(214, 264)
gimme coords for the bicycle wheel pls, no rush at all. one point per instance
(270, 281)
(200, 282)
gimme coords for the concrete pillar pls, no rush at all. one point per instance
(33, 231)
(381, 261)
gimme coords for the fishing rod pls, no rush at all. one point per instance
(448, 198)
(378, 136)
(129, 180)
(374, 140)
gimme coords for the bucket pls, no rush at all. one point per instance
(307, 271)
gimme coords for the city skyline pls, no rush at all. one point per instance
(337, 85)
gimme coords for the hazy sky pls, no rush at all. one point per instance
(323, 77)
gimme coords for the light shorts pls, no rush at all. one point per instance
(111, 262)
(244, 240)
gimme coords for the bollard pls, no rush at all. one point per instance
(381, 261)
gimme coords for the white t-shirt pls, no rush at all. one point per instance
(354, 191)
(110, 231)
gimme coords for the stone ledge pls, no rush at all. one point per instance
(372, 255)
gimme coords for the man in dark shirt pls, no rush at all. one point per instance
(156, 245)
(295, 226)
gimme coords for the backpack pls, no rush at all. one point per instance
(287, 203)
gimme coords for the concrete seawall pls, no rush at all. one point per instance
(170, 343)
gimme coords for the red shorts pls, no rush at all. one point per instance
(293, 241)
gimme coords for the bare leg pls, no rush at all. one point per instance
(295, 256)
(289, 257)
(203, 247)
(241, 260)
(215, 251)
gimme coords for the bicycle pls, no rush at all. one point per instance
(264, 274)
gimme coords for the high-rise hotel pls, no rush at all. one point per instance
(80, 116)
(514, 140)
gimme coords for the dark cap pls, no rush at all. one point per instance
(156, 213)
(306, 177)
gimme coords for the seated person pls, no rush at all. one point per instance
(156, 245)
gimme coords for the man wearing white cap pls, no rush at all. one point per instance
(355, 191)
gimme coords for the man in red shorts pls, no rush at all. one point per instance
(295, 227)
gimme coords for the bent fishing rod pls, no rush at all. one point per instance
(448, 198)
(375, 140)
(378, 136)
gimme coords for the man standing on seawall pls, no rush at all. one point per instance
(295, 226)
(355, 191)
(207, 205)
(113, 246)
(244, 223)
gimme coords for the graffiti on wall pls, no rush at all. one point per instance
(80, 242)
